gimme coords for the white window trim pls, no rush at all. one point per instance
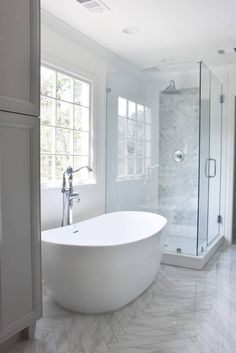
(135, 177)
(86, 78)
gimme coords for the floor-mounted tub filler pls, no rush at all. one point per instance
(102, 264)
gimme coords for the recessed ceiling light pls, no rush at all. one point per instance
(131, 30)
(151, 69)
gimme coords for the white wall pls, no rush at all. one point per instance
(63, 47)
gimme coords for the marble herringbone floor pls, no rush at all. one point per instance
(184, 311)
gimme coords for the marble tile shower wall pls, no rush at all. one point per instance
(178, 181)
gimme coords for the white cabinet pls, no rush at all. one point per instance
(19, 56)
(20, 269)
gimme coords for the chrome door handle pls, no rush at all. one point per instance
(214, 161)
(208, 168)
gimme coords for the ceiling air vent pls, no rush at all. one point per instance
(95, 6)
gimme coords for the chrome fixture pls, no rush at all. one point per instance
(178, 156)
(69, 195)
(171, 89)
(208, 168)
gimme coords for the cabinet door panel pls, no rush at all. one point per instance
(16, 223)
(19, 221)
(19, 56)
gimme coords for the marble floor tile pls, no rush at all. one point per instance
(183, 311)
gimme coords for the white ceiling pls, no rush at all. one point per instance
(185, 30)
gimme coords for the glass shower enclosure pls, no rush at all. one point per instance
(164, 149)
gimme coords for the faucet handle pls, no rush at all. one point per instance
(75, 195)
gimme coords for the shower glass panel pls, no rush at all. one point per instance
(210, 158)
(132, 144)
(164, 151)
(215, 160)
(204, 146)
(178, 159)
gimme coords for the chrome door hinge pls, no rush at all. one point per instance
(222, 98)
(219, 219)
(108, 90)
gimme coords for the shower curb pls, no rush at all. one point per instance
(193, 262)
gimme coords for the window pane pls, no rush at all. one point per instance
(81, 120)
(122, 107)
(130, 166)
(131, 147)
(122, 124)
(148, 132)
(140, 130)
(64, 114)
(82, 93)
(48, 111)
(122, 146)
(140, 112)
(131, 128)
(64, 141)
(64, 87)
(83, 174)
(132, 110)
(148, 149)
(48, 82)
(140, 148)
(121, 167)
(46, 168)
(47, 138)
(62, 163)
(139, 166)
(147, 163)
(65, 125)
(81, 143)
(148, 116)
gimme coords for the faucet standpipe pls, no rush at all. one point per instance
(69, 195)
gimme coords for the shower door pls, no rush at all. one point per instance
(209, 159)
(214, 173)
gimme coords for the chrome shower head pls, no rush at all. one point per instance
(171, 89)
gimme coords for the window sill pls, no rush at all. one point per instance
(131, 178)
(59, 186)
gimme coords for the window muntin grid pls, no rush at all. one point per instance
(134, 139)
(65, 125)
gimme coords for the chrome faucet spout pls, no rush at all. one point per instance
(70, 170)
(68, 193)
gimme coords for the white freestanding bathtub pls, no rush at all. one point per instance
(102, 264)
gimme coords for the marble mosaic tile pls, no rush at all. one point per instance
(178, 182)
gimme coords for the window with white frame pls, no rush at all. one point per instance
(134, 139)
(65, 125)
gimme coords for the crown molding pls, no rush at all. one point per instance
(58, 26)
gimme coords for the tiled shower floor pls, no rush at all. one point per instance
(184, 311)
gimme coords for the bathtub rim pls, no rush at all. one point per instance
(88, 246)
